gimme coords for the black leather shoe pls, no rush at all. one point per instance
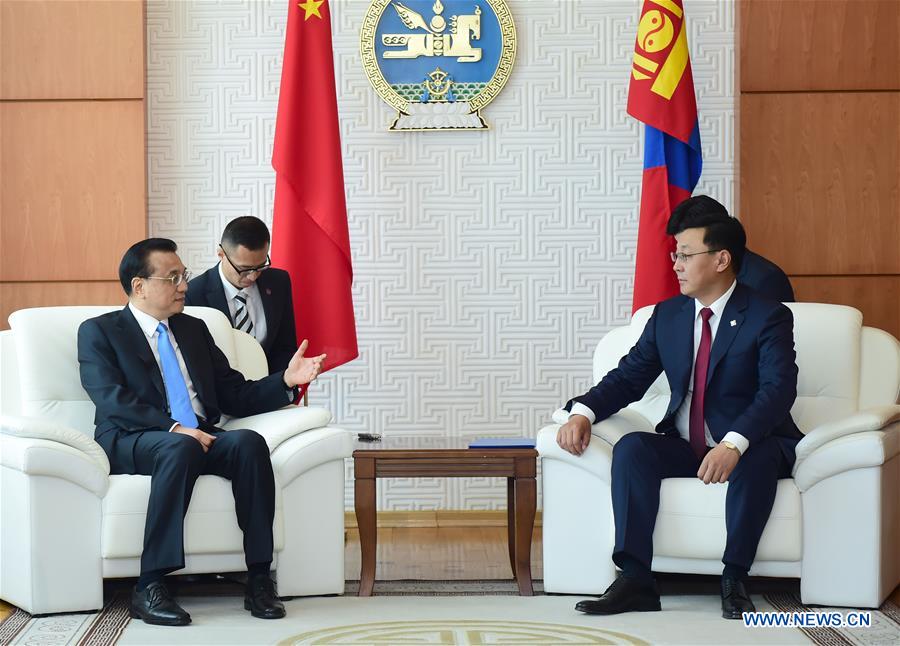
(156, 606)
(624, 595)
(261, 599)
(735, 600)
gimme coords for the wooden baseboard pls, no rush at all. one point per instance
(439, 518)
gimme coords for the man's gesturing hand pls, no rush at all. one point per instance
(718, 464)
(302, 370)
(206, 440)
(575, 435)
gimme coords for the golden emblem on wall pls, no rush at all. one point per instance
(438, 63)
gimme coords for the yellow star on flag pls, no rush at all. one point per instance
(311, 7)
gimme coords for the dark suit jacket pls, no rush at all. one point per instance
(122, 378)
(765, 277)
(752, 379)
(275, 290)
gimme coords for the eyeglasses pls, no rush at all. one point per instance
(243, 273)
(176, 280)
(682, 257)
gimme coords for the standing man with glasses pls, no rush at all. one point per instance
(160, 385)
(255, 298)
(728, 354)
(757, 272)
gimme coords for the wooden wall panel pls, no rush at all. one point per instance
(17, 296)
(877, 297)
(820, 187)
(65, 49)
(73, 196)
(791, 45)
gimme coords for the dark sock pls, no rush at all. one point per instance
(256, 569)
(151, 576)
(734, 572)
(634, 569)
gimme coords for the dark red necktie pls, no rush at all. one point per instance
(701, 367)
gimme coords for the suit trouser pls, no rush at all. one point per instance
(641, 461)
(174, 462)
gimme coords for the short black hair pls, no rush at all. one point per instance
(247, 231)
(721, 230)
(136, 261)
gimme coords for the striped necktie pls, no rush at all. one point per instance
(242, 320)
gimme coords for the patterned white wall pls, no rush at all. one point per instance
(487, 265)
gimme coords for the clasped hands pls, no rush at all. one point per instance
(301, 370)
(575, 435)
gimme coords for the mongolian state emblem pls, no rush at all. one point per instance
(438, 63)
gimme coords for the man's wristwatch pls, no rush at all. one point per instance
(731, 445)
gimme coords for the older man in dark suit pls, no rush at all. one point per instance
(160, 385)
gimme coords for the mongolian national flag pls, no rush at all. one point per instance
(309, 234)
(661, 94)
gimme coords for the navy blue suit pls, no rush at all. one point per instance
(766, 277)
(751, 386)
(122, 378)
(274, 286)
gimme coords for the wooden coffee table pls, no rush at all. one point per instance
(444, 457)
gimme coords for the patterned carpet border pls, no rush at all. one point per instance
(109, 624)
(787, 602)
(828, 636)
(102, 629)
(12, 625)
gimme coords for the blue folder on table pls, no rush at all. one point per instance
(502, 443)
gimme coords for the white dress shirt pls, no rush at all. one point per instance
(148, 327)
(254, 306)
(683, 414)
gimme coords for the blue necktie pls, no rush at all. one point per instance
(179, 399)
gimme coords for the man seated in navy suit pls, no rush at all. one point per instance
(728, 354)
(160, 385)
(255, 297)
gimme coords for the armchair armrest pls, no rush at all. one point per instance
(612, 428)
(853, 451)
(598, 456)
(306, 451)
(44, 429)
(279, 426)
(872, 419)
(39, 457)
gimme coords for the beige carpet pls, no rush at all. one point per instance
(440, 613)
(454, 620)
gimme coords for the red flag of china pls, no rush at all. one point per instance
(309, 234)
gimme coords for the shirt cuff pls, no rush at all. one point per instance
(296, 394)
(581, 409)
(176, 424)
(741, 442)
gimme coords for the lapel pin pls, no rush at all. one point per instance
(269, 293)
(733, 322)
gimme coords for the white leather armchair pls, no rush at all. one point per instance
(67, 524)
(835, 524)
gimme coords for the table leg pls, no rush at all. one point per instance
(364, 502)
(511, 522)
(526, 501)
